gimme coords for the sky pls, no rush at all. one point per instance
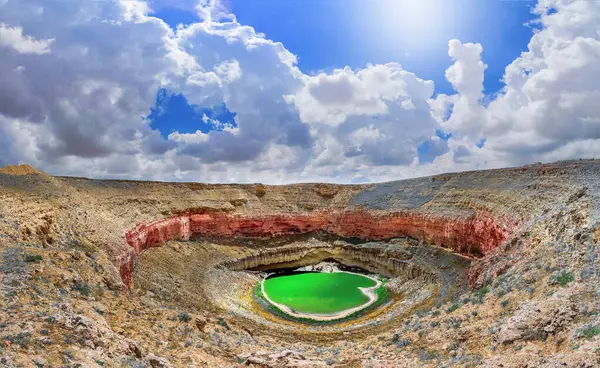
(275, 91)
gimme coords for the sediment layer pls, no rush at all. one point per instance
(472, 235)
(376, 260)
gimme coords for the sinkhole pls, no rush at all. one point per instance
(325, 295)
(323, 283)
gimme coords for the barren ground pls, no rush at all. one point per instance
(497, 268)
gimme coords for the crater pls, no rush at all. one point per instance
(416, 258)
(408, 275)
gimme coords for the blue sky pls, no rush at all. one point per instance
(331, 34)
(173, 113)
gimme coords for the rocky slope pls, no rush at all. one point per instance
(495, 268)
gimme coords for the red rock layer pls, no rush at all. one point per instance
(157, 233)
(471, 236)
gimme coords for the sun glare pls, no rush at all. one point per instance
(414, 21)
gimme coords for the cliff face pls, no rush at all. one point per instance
(473, 235)
(470, 213)
(373, 259)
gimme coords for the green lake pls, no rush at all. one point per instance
(318, 293)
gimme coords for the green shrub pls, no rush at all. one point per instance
(184, 317)
(402, 343)
(562, 277)
(33, 258)
(452, 308)
(22, 339)
(481, 292)
(479, 295)
(221, 322)
(83, 288)
(426, 355)
(590, 331)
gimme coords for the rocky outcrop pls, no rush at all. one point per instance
(23, 169)
(468, 233)
(391, 264)
(537, 319)
(285, 358)
(472, 234)
(279, 258)
(325, 267)
(519, 228)
(372, 257)
(570, 360)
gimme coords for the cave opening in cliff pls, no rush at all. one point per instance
(310, 264)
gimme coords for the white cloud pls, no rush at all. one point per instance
(135, 10)
(548, 107)
(197, 137)
(332, 98)
(228, 71)
(466, 74)
(213, 11)
(551, 93)
(366, 134)
(13, 37)
(79, 110)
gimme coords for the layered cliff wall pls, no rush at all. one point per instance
(373, 259)
(473, 233)
(470, 213)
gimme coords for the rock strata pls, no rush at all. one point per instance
(473, 235)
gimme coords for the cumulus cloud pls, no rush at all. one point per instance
(197, 137)
(12, 37)
(332, 98)
(228, 71)
(253, 75)
(547, 109)
(78, 78)
(466, 76)
(376, 116)
(83, 101)
(432, 148)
